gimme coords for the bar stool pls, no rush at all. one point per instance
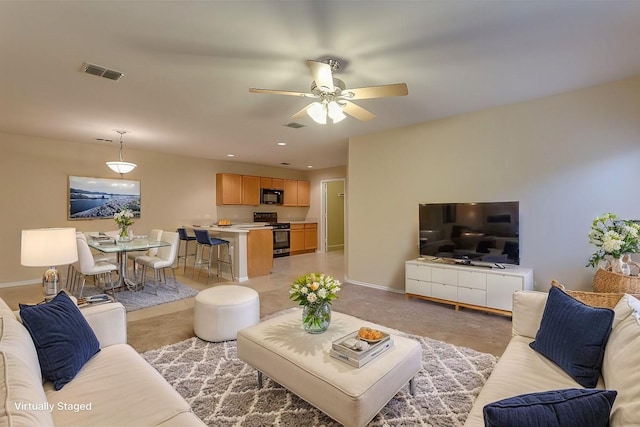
(204, 240)
(184, 237)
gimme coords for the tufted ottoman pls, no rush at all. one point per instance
(280, 349)
(221, 311)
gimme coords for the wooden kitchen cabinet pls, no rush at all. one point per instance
(296, 193)
(311, 237)
(259, 252)
(296, 239)
(304, 193)
(290, 192)
(275, 183)
(250, 190)
(303, 238)
(228, 189)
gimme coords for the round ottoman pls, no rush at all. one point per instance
(221, 311)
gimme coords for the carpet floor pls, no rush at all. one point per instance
(135, 300)
(222, 390)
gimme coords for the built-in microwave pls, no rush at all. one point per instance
(270, 196)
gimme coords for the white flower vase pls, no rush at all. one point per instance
(618, 265)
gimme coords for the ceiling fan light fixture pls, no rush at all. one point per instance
(121, 166)
(318, 113)
(335, 112)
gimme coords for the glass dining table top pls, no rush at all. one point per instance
(137, 244)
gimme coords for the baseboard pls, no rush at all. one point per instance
(21, 283)
(374, 286)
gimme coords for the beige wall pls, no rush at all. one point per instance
(566, 158)
(175, 191)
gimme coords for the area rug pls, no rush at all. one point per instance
(222, 390)
(135, 300)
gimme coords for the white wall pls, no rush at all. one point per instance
(566, 158)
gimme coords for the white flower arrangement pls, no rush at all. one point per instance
(124, 219)
(613, 237)
(314, 288)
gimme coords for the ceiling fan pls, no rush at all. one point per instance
(334, 99)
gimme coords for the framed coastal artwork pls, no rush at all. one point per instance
(97, 198)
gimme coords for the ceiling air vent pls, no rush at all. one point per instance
(97, 70)
(294, 125)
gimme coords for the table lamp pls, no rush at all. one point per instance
(48, 247)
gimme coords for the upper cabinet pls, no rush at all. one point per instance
(233, 189)
(228, 189)
(296, 193)
(275, 183)
(250, 190)
(304, 193)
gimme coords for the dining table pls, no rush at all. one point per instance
(121, 248)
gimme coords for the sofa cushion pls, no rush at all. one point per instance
(63, 338)
(574, 336)
(117, 387)
(621, 361)
(22, 398)
(569, 407)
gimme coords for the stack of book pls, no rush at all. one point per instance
(345, 350)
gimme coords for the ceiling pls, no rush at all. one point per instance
(188, 66)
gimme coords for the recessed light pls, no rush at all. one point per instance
(309, 166)
(231, 155)
(282, 143)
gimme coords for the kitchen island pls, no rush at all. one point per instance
(251, 248)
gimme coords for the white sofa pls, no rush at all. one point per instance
(115, 387)
(522, 370)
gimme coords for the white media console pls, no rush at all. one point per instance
(481, 288)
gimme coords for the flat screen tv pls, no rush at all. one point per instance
(487, 231)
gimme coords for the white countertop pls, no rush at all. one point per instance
(234, 228)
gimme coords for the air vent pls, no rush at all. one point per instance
(294, 125)
(285, 163)
(97, 70)
(104, 140)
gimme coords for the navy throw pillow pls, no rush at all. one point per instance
(574, 336)
(556, 408)
(62, 337)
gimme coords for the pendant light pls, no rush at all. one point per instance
(121, 166)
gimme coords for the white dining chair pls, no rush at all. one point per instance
(88, 266)
(155, 234)
(165, 258)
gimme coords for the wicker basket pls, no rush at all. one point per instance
(594, 299)
(608, 281)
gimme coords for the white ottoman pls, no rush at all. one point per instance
(221, 311)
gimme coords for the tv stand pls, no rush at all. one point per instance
(481, 286)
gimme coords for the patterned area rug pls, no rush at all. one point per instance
(222, 390)
(135, 300)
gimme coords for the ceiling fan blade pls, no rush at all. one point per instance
(358, 112)
(282, 92)
(322, 75)
(302, 113)
(397, 89)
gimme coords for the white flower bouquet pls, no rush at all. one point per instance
(124, 219)
(314, 288)
(613, 237)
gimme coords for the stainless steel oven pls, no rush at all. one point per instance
(281, 232)
(281, 236)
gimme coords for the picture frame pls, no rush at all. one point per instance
(100, 198)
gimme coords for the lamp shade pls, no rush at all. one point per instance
(47, 247)
(121, 167)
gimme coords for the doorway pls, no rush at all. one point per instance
(333, 208)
